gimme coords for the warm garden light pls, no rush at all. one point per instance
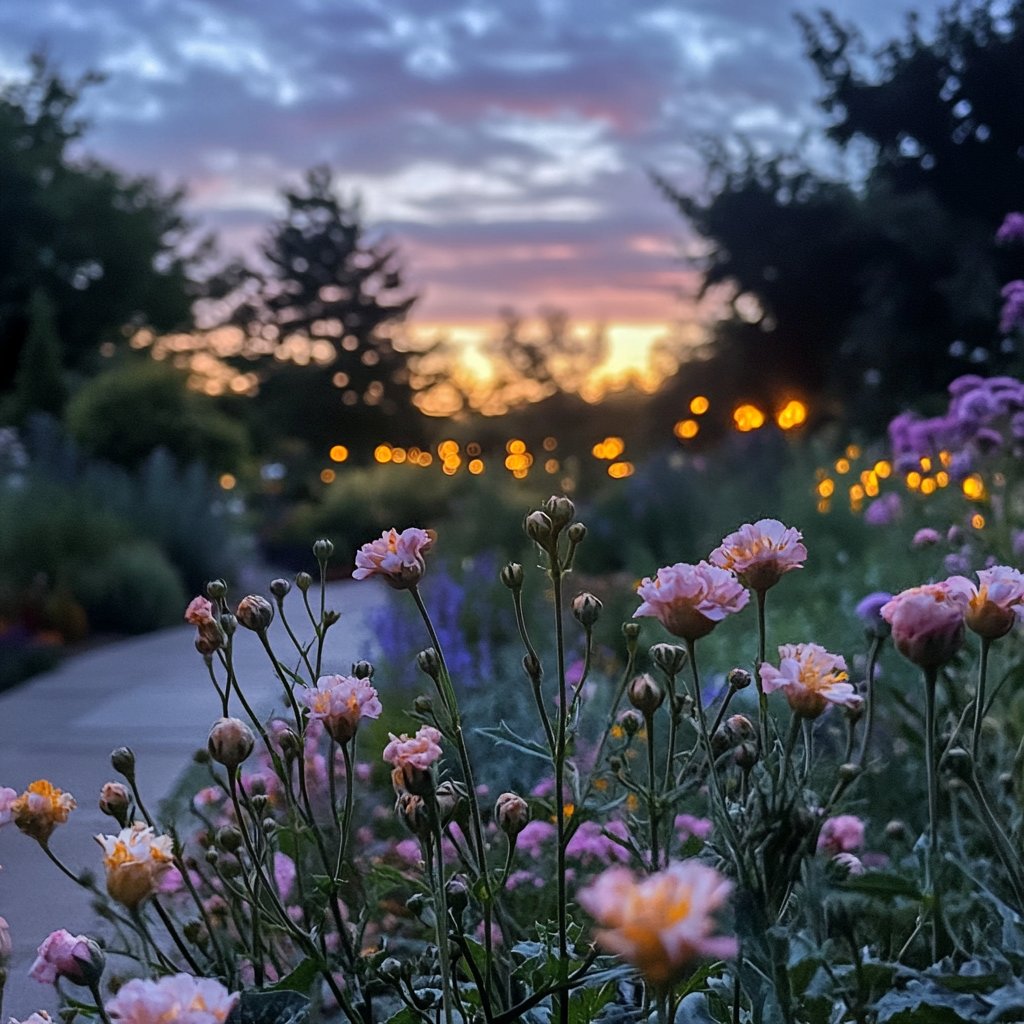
(382, 453)
(397, 456)
(978, 521)
(826, 488)
(685, 429)
(473, 449)
(942, 478)
(945, 458)
(699, 405)
(852, 451)
(610, 448)
(515, 447)
(913, 481)
(327, 476)
(518, 462)
(339, 453)
(227, 481)
(550, 444)
(792, 414)
(928, 485)
(552, 466)
(974, 487)
(620, 470)
(926, 463)
(842, 466)
(476, 466)
(446, 449)
(747, 418)
(883, 470)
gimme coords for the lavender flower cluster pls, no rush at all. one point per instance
(1012, 315)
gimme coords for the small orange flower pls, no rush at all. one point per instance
(40, 809)
(136, 861)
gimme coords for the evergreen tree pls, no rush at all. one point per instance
(39, 384)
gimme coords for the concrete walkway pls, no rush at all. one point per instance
(154, 695)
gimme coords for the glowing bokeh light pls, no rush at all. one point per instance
(791, 415)
(339, 453)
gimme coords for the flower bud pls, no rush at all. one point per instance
(416, 903)
(412, 809)
(576, 533)
(291, 745)
(322, 550)
(615, 764)
(259, 804)
(451, 798)
(511, 812)
(280, 588)
(670, 658)
(208, 642)
(230, 742)
(303, 581)
(216, 589)
(532, 666)
(631, 631)
(560, 510)
(429, 662)
(731, 733)
(115, 800)
(123, 761)
(645, 695)
(75, 957)
(390, 970)
(512, 576)
(739, 678)
(362, 670)
(423, 705)
(255, 612)
(849, 771)
(960, 763)
(195, 932)
(228, 623)
(212, 857)
(631, 722)
(746, 754)
(896, 829)
(229, 838)
(586, 608)
(331, 617)
(539, 528)
(229, 867)
(458, 896)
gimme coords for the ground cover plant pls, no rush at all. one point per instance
(660, 828)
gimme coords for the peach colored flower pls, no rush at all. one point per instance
(40, 809)
(136, 860)
(841, 834)
(690, 600)
(63, 955)
(811, 678)
(398, 557)
(340, 702)
(927, 623)
(992, 608)
(180, 999)
(759, 553)
(662, 922)
(199, 612)
(419, 751)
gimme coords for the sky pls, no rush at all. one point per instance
(505, 145)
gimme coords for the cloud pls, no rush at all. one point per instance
(491, 139)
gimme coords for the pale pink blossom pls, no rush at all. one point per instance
(926, 537)
(398, 557)
(662, 922)
(841, 834)
(136, 860)
(759, 553)
(42, 1017)
(991, 609)
(180, 998)
(284, 873)
(199, 612)
(7, 798)
(853, 864)
(6, 946)
(927, 623)
(811, 679)
(62, 955)
(690, 600)
(419, 751)
(688, 825)
(340, 702)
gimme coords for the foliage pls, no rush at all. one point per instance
(39, 384)
(103, 247)
(126, 413)
(868, 294)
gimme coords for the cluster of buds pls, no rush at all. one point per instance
(545, 525)
(737, 734)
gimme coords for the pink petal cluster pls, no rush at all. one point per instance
(340, 702)
(927, 623)
(179, 998)
(926, 537)
(690, 600)
(991, 609)
(398, 557)
(199, 612)
(811, 679)
(136, 860)
(842, 834)
(759, 553)
(419, 751)
(662, 922)
(589, 843)
(62, 955)
(688, 825)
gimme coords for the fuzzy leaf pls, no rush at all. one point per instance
(270, 1008)
(299, 980)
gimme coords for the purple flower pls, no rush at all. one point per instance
(869, 611)
(883, 511)
(1012, 315)
(689, 825)
(956, 564)
(1011, 230)
(284, 873)
(926, 537)
(589, 843)
(1017, 542)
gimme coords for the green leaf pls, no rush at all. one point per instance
(270, 1008)
(504, 736)
(882, 885)
(924, 1002)
(586, 1003)
(693, 1009)
(404, 1016)
(299, 980)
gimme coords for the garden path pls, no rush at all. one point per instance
(153, 694)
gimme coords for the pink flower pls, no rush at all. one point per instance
(852, 863)
(398, 557)
(63, 955)
(6, 946)
(690, 600)
(842, 834)
(420, 751)
(199, 612)
(663, 922)
(533, 837)
(340, 702)
(811, 678)
(589, 842)
(991, 609)
(926, 537)
(7, 798)
(688, 825)
(760, 553)
(927, 623)
(179, 998)
(42, 1017)
(284, 873)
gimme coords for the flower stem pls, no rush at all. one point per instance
(94, 988)
(979, 699)
(563, 926)
(930, 680)
(869, 714)
(441, 915)
(652, 798)
(762, 699)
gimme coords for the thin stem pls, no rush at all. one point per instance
(67, 871)
(321, 631)
(94, 988)
(979, 698)
(652, 798)
(808, 747)
(762, 699)
(562, 908)
(869, 713)
(730, 693)
(346, 826)
(302, 650)
(177, 939)
(441, 910)
(930, 679)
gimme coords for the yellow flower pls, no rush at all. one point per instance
(136, 860)
(40, 809)
(632, 803)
